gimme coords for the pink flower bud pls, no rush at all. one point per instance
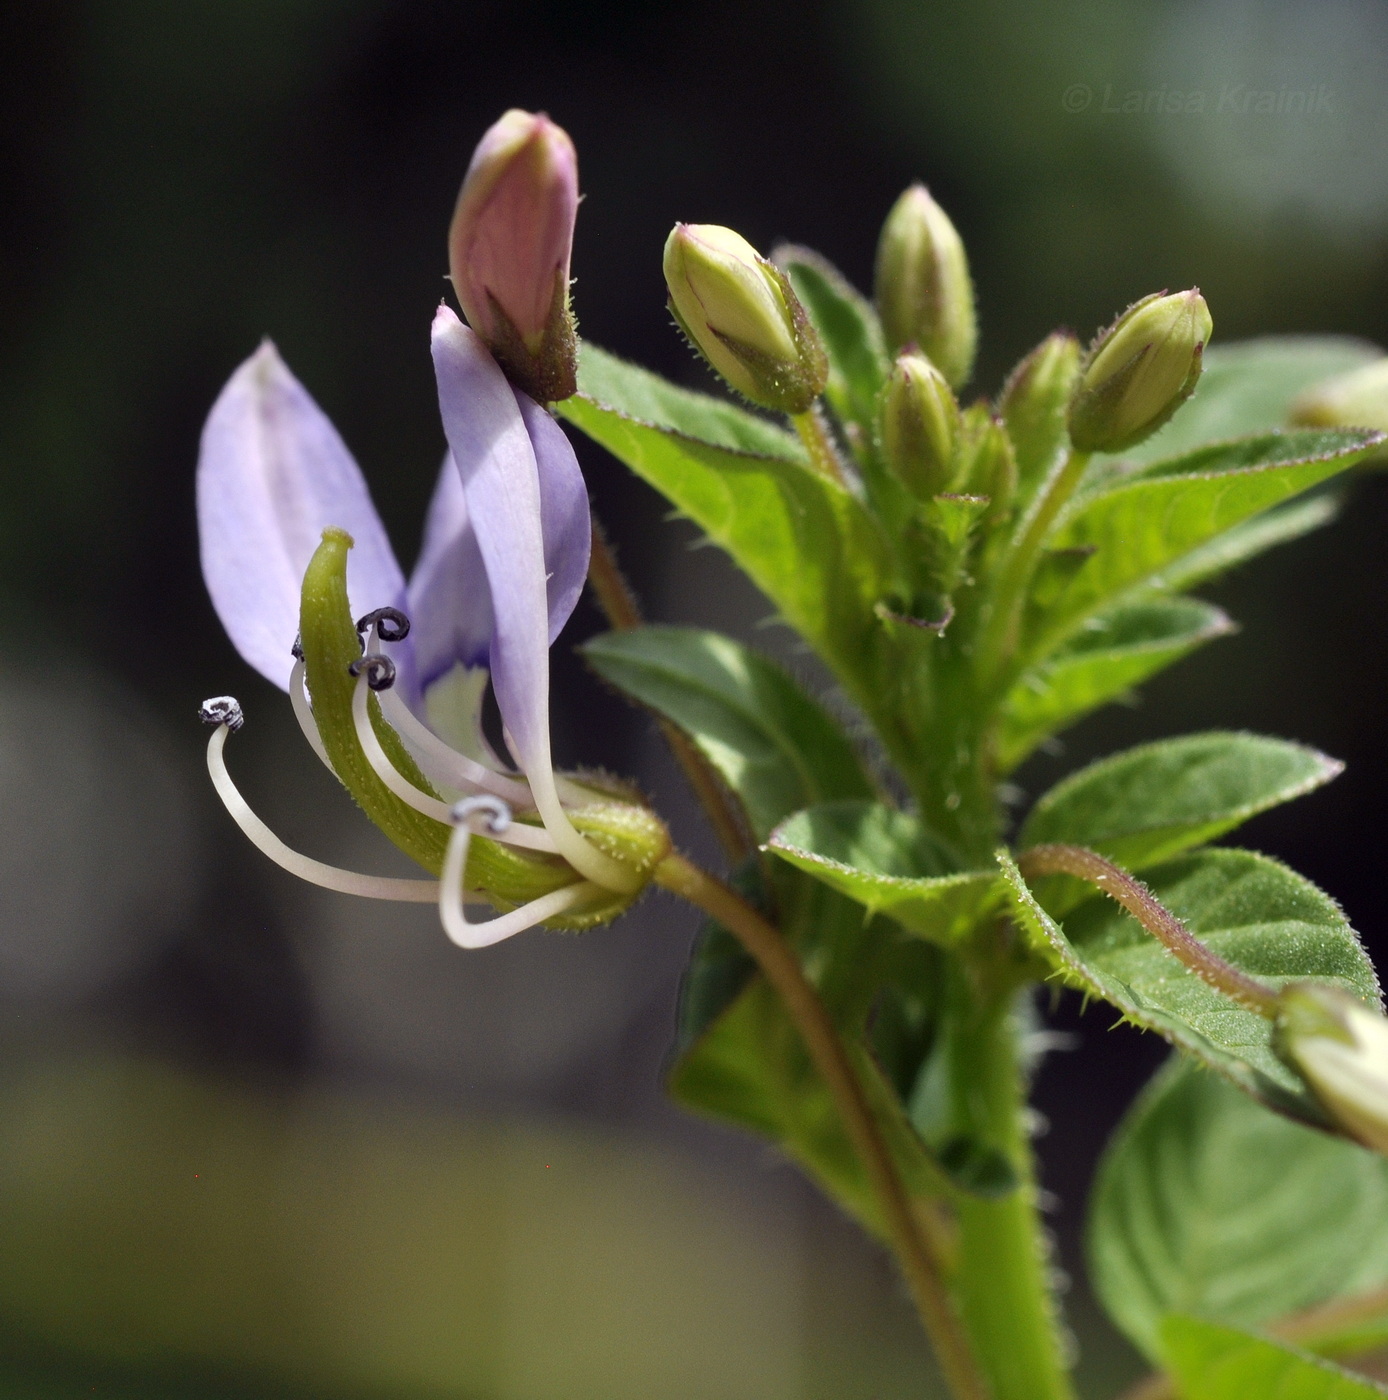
(509, 248)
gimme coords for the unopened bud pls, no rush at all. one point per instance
(739, 312)
(1358, 399)
(919, 425)
(509, 247)
(1035, 403)
(924, 293)
(985, 462)
(1140, 371)
(1341, 1047)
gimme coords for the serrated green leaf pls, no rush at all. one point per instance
(849, 328)
(1212, 1362)
(1249, 386)
(888, 862)
(1151, 802)
(646, 397)
(805, 541)
(773, 745)
(1206, 1203)
(1114, 652)
(1255, 914)
(1139, 524)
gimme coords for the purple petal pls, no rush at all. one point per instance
(501, 483)
(565, 520)
(272, 475)
(450, 603)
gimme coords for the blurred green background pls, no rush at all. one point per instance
(260, 1140)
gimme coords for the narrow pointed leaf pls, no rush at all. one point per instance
(1152, 802)
(1254, 913)
(774, 746)
(805, 541)
(1211, 1362)
(1207, 1203)
(1137, 525)
(1249, 387)
(1116, 651)
(848, 326)
(637, 393)
(886, 861)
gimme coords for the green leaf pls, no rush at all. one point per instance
(1220, 1363)
(1154, 801)
(1250, 539)
(806, 542)
(848, 325)
(1139, 524)
(751, 1068)
(888, 862)
(774, 746)
(1254, 913)
(1206, 1203)
(646, 397)
(1114, 652)
(1249, 387)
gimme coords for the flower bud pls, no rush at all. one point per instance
(1140, 371)
(925, 296)
(509, 247)
(919, 425)
(739, 312)
(1341, 1047)
(1035, 404)
(985, 462)
(1358, 399)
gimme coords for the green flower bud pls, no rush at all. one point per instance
(925, 296)
(919, 425)
(1035, 404)
(985, 462)
(1140, 371)
(1358, 399)
(1341, 1047)
(739, 312)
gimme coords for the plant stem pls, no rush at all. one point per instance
(618, 603)
(1018, 564)
(1002, 1280)
(782, 970)
(1155, 917)
(814, 433)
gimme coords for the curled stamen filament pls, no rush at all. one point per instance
(451, 911)
(330, 877)
(303, 712)
(533, 838)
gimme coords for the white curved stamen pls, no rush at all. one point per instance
(533, 838)
(444, 764)
(451, 912)
(598, 866)
(330, 877)
(303, 712)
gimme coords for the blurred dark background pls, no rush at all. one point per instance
(260, 1140)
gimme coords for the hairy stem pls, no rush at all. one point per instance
(1018, 564)
(782, 970)
(618, 602)
(1155, 917)
(819, 443)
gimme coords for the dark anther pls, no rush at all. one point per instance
(390, 623)
(297, 650)
(222, 709)
(380, 670)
